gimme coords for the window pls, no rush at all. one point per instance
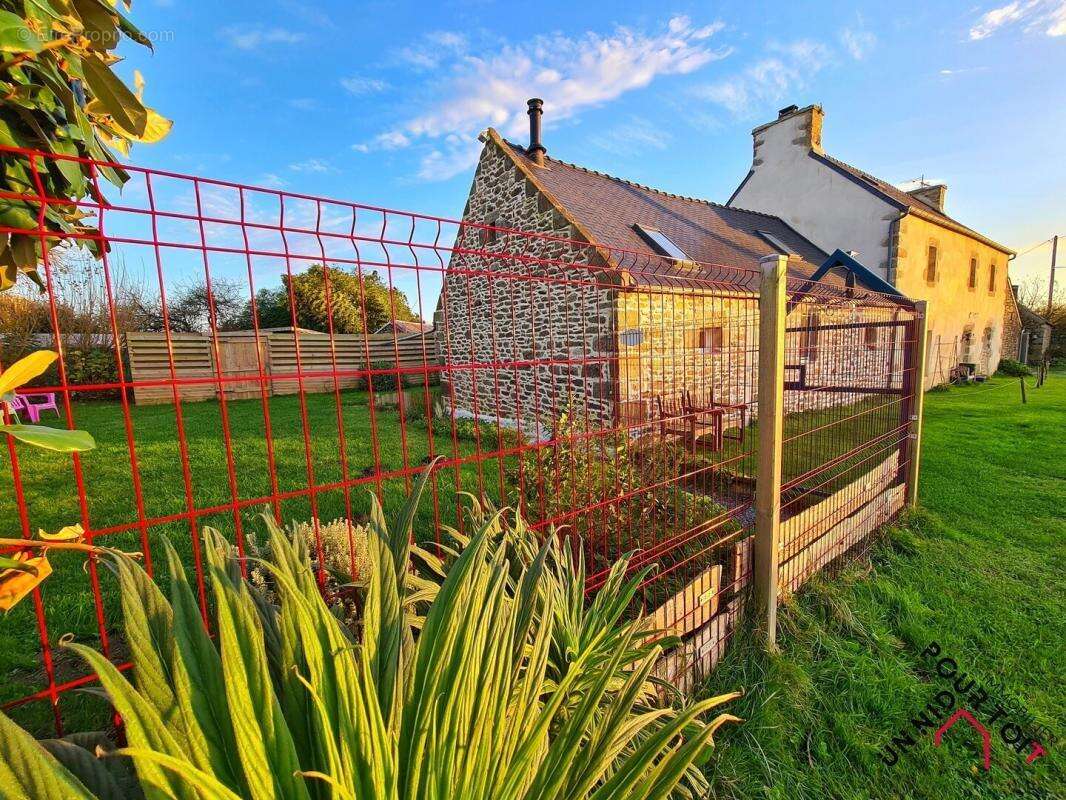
(711, 339)
(869, 337)
(972, 284)
(661, 243)
(930, 264)
(774, 242)
(809, 337)
(992, 278)
(491, 235)
(631, 337)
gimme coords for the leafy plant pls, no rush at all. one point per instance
(61, 98)
(386, 381)
(1013, 369)
(464, 700)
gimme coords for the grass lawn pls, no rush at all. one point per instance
(108, 482)
(980, 570)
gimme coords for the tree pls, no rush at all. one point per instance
(61, 98)
(189, 308)
(348, 300)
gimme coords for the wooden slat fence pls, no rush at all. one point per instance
(189, 362)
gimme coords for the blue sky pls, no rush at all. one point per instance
(381, 102)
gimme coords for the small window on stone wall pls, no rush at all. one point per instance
(631, 337)
(491, 235)
(992, 278)
(972, 284)
(869, 337)
(711, 339)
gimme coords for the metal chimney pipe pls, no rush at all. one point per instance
(536, 150)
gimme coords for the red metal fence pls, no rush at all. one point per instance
(603, 392)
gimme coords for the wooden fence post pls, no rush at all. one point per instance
(772, 313)
(914, 452)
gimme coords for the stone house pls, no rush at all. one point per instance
(1034, 334)
(905, 237)
(570, 290)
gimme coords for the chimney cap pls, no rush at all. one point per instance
(784, 112)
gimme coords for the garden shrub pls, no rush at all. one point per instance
(582, 470)
(1013, 369)
(386, 382)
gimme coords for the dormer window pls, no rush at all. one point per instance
(774, 242)
(661, 243)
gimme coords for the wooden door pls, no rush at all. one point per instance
(239, 359)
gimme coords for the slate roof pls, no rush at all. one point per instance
(404, 326)
(724, 241)
(904, 200)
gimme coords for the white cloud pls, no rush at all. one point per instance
(311, 165)
(360, 86)
(858, 42)
(631, 138)
(769, 79)
(570, 73)
(434, 49)
(250, 38)
(1041, 16)
(271, 180)
(951, 73)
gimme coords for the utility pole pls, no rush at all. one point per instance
(1051, 281)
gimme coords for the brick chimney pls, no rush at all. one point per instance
(796, 130)
(934, 195)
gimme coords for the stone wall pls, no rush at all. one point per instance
(670, 340)
(661, 351)
(526, 336)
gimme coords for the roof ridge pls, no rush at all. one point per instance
(646, 188)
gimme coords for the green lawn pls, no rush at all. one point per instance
(108, 482)
(980, 570)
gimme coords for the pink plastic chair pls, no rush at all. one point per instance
(13, 407)
(36, 403)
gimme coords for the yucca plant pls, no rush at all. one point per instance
(444, 690)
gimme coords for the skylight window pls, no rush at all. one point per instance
(774, 242)
(661, 243)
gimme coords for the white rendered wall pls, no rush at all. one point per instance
(823, 205)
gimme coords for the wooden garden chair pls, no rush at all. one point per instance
(677, 419)
(709, 405)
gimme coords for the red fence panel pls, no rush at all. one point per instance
(236, 349)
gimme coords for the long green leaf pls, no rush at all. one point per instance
(58, 439)
(144, 728)
(202, 686)
(28, 772)
(268, 755)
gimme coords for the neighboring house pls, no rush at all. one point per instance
(402, 327)
(905, 237)
(624, 326)
(1034, 335)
